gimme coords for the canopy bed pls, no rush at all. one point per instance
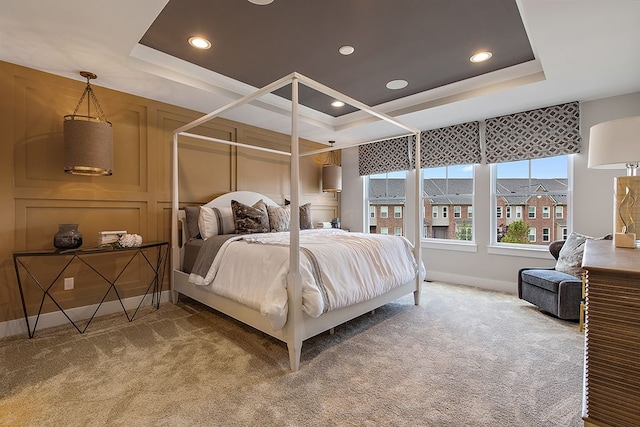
(305, 284)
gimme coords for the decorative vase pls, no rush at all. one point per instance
(67, 237)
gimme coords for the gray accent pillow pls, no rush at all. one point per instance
(570, 257)
(192, 213)
(250, 219)
(305, 217)
(279, 218)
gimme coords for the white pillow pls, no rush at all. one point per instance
(570, 256)
(215, 221)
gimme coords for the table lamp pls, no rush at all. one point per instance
(616, 145)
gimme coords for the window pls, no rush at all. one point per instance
(464, 231)
(372, 212)
(445, 189)
(384, 211)
(499, 211)
(518, 212)
(397, 211)
(564, 233)
(524, 187)
(384, 230)
(397, 231)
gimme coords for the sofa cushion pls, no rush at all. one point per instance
(547, 279)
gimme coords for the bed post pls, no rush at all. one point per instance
(294, 282)
(417, 249)
(175, 249)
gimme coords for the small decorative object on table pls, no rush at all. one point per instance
(335, 223)
(130, 240)
(67, 237)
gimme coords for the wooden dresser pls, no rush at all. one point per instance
(612, 335)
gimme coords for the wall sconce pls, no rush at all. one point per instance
(616, 145)
(331, 173)
(88, 140)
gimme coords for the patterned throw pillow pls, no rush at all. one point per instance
(250, 219)
(279, 218)
(570, 257)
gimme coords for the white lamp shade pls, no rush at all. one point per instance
(614, 144)
(332, 178)
(88, 147)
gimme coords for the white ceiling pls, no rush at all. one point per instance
(584, 49)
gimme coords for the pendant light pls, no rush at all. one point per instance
(88, 140)
(332, 173)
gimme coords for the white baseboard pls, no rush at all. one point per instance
(56, 318)
(477, 282)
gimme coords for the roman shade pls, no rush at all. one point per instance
(451, 145)
(534, 134)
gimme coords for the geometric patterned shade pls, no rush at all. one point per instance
(545, 132)
(452, 145)
(385, 156)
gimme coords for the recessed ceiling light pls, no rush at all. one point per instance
(346, 50)
(481, 56)
(397, 84)
(261, 2)
(337, 104)
(199, 42)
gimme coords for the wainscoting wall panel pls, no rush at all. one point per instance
(37, 195)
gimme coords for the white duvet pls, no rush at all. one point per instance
(351, 267)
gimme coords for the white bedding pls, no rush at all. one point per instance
(352, 267)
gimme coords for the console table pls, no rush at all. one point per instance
(154, 256)
(612, 335)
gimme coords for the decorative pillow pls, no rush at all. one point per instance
(279, 218)
(250, 219)
(305, 217)
(215, 221)
(192, 214)
(570, 257)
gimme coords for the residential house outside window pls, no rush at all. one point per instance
(397, 231)
(448, 189)
(386, 192)
(529, 186)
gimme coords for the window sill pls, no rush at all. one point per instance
(449, 245)
(528, 251)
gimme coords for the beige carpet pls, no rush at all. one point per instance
(464, 357)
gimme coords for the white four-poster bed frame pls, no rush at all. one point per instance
(299, 326)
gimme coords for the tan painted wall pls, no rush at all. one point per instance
(36, 194)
